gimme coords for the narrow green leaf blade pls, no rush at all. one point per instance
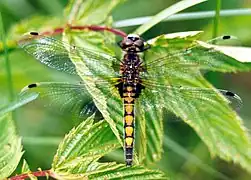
(22, 100)
(166, 13)
(26, 170)
(25, 167)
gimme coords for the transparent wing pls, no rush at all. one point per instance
(72, 98)
(174, 58)
(57, 54)
(234, 99)
(149, 112)
(176, 94)
(61, 97)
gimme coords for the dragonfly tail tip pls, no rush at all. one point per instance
(129, 163)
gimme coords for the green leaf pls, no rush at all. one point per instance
(120, 171)
(237, 58)
(185, 48)
(166, 13)
(90, 12)
(10, 146)
(175, 41)
(190, 97)
(105, 95)
(210, 116)
(77, 155)
(115, 171)
(151, 132)
(10, 143)
(83, 145)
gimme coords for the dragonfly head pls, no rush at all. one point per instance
(132, 43)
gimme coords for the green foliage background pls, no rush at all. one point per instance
(33, 122)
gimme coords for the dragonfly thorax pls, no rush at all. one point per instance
(130, 68)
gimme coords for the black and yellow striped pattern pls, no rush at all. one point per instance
(129, 97)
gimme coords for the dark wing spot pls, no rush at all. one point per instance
(226, 37)
(228, 93)
(34, 33)
(32, 85)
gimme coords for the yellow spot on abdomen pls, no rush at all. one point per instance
(129, 99)
(128, 108)
(128, 120)
(129, 131)
(128, 94)
(128, 141)
(129, 88)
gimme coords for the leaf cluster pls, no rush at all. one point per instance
(78, 155)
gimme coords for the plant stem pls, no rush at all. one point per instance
(216, 18)
(90, 27)
(44, 173)
(7, 63)
(60, 30)
(212, 77)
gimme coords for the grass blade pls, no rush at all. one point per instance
(183, 17)
(6, 57)
(166, 13)
(216, 18)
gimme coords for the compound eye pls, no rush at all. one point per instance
(139, 43)
(127, 42)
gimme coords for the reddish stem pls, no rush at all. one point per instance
(37, 174)
(60, 30)
(101, 28)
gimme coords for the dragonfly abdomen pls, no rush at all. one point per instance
(129, 98)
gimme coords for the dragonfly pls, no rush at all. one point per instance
(131, 77)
